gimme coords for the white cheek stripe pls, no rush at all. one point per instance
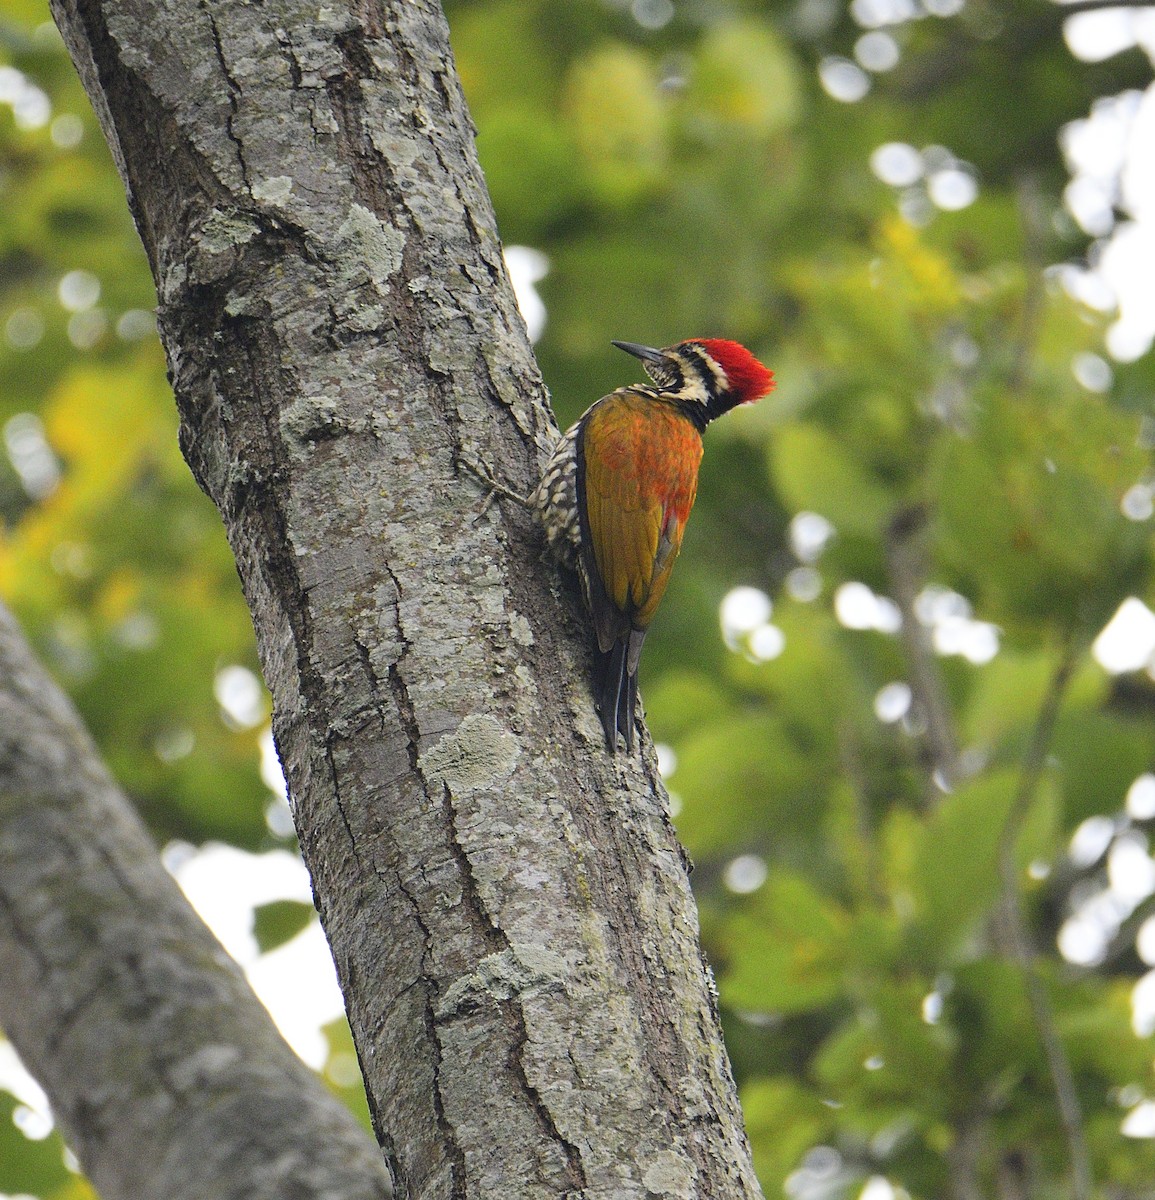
(695, 389)
(694, 360)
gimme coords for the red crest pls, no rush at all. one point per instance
(749, 380)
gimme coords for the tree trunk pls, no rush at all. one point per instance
(167, 1076)
(507, 904)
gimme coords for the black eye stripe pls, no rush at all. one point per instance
(704, 366)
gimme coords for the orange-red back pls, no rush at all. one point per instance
(641, 458)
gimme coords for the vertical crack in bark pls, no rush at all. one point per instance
(339, 803)
(408, 719)
(430, 995)
(663, 1047)
(512, 1009)
(233, 90)
(285, 41)
(574, 1167)
(371, 174)
(431, 989)
(495, 940)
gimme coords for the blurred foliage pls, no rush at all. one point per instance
(687, 172)
(119, 571)
(277, 922)
(32, 1164)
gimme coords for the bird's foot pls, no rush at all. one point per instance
(483, 474)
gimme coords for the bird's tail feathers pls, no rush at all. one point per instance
(619, 692)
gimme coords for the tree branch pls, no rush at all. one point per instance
(165, 1072)
(906, 575)
(1016, 936)
(906, 572)
(1034, 218)
(507, 905)
(963, 1157)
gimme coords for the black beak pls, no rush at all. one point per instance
(645, 353)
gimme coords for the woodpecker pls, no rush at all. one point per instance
(617, 491)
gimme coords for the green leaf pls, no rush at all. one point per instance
(746, 81)
(745, 780)
(783, 1121)
(1099, 756)
(36, 1167)
(618, 122)
(815, 473)
(343, 1071)
(793, 943)
(1055, 546)
(682, 702)
(988, 1006)
(956, 872)
(279, 921)
(533, 169)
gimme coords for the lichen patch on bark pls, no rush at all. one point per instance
(479, 753)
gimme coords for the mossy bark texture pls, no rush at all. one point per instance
(507, 904)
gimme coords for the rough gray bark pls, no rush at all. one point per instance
(166, 1074)
(507, 905)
